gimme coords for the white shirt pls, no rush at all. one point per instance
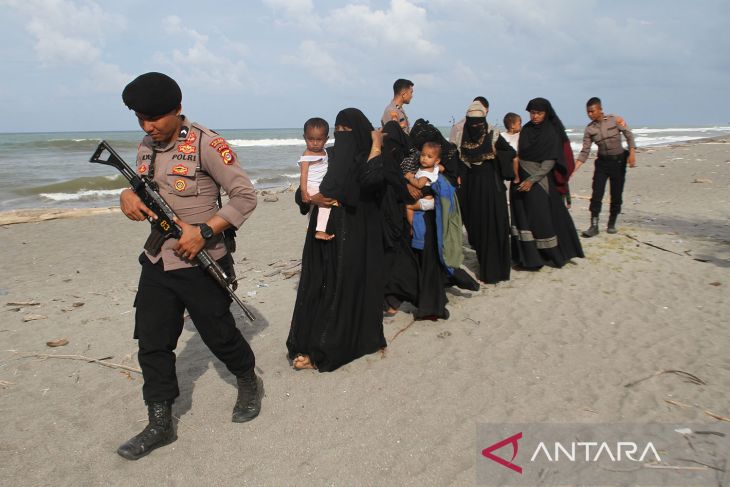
(431, 174)
(317, 167)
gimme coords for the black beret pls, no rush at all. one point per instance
(152, 94)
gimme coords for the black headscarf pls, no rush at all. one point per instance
(543, 141)
(395, 141)
(349, 152)
(476, 141)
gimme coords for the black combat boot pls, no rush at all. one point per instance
(593, 229)
(612, 224)
(158, 432)
(250, 392)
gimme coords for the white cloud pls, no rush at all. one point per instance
(403, 26)
(72, 33)
(312, 57)
(201, 66)
(293, 9)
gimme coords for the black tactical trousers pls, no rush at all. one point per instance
(161, 301)
(615, 171)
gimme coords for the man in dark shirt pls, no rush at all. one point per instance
(606, 131)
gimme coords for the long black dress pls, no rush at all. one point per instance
(487, 216)
(543, 232)
(401, 264)
(338, 310)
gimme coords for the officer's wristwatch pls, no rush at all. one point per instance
(205, 231)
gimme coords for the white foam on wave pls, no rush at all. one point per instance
(82, 195)
(652, 141)
(265, 142)
(72, 140)
(646, 130)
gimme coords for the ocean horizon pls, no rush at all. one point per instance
(51, 169)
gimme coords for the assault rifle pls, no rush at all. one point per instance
(165, 227)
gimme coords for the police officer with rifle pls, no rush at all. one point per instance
(186, 164)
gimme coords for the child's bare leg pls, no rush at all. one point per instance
(321, 230)
(410, 211)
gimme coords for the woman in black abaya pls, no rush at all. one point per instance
(338, 310)
(433, 275)
(487, 217)
(542, 229)
(401, 264)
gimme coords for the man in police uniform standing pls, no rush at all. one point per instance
(402, 95)
(189, 163)
(606, 131)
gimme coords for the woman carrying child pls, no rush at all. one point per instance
(439, 247)
(338, 310)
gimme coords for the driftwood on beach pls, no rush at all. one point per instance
(30, 216)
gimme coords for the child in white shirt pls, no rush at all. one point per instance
(427, 174)
(513, 124)
(313, 167)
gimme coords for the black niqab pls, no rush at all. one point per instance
(476, 142)
(349, 152)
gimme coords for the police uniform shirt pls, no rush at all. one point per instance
(189, 172)
(606, 133)
(395, 112)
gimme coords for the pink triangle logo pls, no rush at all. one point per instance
(487, 452)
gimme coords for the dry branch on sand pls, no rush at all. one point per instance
(102, 361)
(689, 377)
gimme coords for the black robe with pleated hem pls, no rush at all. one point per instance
(543, 232)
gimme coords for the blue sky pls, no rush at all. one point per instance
(274, 63)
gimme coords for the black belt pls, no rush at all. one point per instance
(618, 158)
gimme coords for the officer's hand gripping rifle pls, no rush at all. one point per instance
(164, 227)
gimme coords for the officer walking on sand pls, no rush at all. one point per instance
(606, 131)
(189, 163)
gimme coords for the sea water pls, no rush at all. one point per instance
(52, 170)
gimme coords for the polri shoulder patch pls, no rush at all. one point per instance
(227, 156)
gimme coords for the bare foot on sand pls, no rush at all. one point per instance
(323, 236)
(301, 362)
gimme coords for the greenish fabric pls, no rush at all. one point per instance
(452, 234)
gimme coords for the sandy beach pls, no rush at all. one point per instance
(559, 345)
